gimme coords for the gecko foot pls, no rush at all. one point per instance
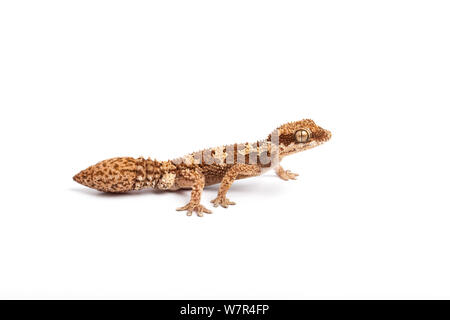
(287, 175)
(224, 202)
(193, 207)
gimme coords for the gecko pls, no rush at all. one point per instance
(223, 164)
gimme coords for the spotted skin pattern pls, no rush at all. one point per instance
(223, 164)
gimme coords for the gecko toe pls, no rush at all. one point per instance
(192, 207)
(223, 202)
(288, 175)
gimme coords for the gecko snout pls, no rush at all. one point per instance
(328, 134)
(323, 135)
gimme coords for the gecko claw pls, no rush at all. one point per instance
(224, 202)
(197, 208)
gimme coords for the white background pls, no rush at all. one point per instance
(82, 81)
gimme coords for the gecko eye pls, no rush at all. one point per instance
(302, 136)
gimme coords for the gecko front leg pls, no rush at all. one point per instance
(194, 179)
(285, 174)
(231, 175)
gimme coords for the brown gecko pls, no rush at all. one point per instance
(194, 171)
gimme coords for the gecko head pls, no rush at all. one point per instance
(301, 135)
(113, 175)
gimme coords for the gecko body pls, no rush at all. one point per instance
(223, 164)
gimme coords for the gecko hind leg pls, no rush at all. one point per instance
(197, 182)
(231, 175)
(285, 174)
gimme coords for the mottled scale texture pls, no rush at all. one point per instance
(222, 164)
(112, 175)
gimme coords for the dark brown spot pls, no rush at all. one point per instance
(286, 139)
